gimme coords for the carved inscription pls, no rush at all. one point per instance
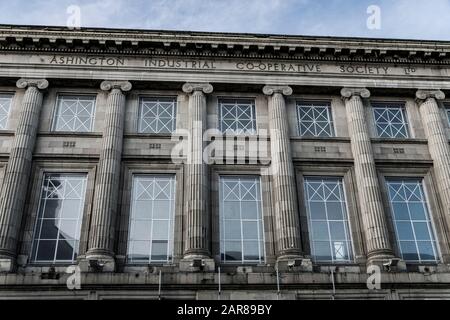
(88, 60)
(213, 65)
(155, 146)
(69, 144)
(320, 149)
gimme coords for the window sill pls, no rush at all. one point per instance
(225, 135)
(337, 268)
(7, 132)
(401, 141)
(150, 135)
(324, 139)
(70, 134)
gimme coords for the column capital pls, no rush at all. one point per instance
(121, 85)
(423, 95)
(271, 89)
(190, 87)
(29, 82)
(351, 92)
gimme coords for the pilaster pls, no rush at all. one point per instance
(370, 200)
(197, 184)
(438, 143)
(105, 204)
(18, 169)
(283, 175)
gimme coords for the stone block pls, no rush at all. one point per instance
(6, 265)
(197, 265)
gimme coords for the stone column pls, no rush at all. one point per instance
(438, 143)
(283, 175)
(371, 204)
(197, 182)
(18, 169)
(104, 212)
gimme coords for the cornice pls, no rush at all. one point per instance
(92, 41)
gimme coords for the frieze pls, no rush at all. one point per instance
(225, 65)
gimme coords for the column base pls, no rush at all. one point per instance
(97, 263)
(294, 263)
(387, 263)
(7, 265)
(197, 263)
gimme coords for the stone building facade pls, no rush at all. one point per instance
(146, 165)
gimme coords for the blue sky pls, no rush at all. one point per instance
(408, 19)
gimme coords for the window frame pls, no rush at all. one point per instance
(32, 206)
(436, 214)
(430, 222)
(315, 103)
(33, 258)
(123, 224)
(355, 224)
(139, 114)
(253, 120)
(259, 221)
(11, 102)
(171, 220)
(447, 113)
(59, 96)
(267, 211)
(391, 105)
(348, 232)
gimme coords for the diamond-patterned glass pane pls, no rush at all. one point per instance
(241, 222)
(390, 121)
(315, 119)
(75, 114)
(150, 236)
(328, 221)
(157, 115)
(414, 231)
(5, 106)
(237, 116)
(57, 233)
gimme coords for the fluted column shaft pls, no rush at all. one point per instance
(107, 186)
(373, 215)
(18, 169)
(438, 143)
(196, 191)
(283, 174)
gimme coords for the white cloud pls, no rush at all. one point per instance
(400, 18)
(416, 19)
(217, 15)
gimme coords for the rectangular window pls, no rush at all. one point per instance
(413, 228)
(329, 231)
(241, 220)
(315, 119)
(57, 232)
(447, 109)
(74, 113)
(237, 116)
(150, 237)
(5, 106)
(157, 115)
(390, 120)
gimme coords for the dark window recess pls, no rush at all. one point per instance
(69, 144)
(155, 146)
(320, 149)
